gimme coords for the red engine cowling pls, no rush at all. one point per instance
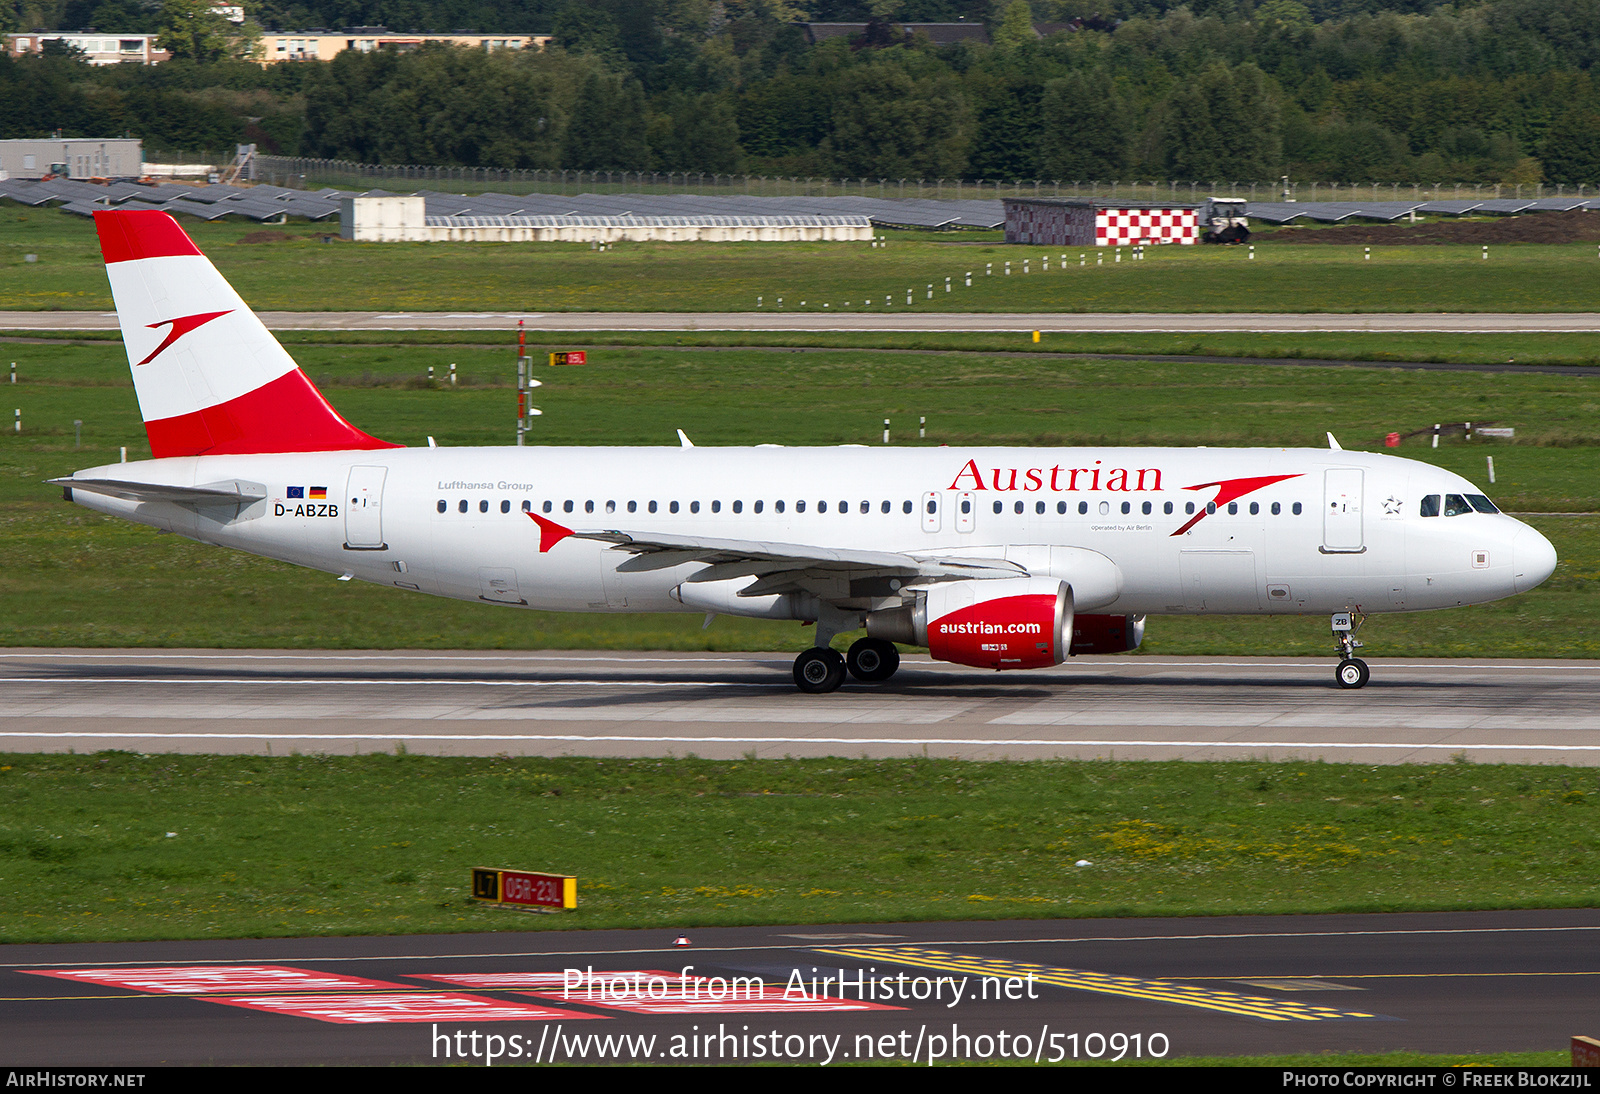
(1022, 623)
(1106, 633)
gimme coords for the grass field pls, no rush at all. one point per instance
(293, 270)
(1394, 348)
(74, 578)
(118, 846)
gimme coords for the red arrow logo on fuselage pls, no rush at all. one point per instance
(1231, 490)
(180, 327)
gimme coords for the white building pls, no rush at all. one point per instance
(405, 219)
(118, 158)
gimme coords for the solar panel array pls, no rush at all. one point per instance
(207, 202)
(912, 213)
(264, 203)
(1332, 212)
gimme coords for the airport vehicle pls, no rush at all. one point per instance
(1225, 221)
(996, 557)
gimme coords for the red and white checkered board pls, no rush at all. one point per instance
(1122, 227)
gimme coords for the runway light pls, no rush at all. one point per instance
(1084, 862)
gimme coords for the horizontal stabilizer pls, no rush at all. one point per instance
(232, 492)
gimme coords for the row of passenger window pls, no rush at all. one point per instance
(1039, 507)
(464, 506)
(1147, 508)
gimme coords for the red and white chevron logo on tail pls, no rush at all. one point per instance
(180, 327)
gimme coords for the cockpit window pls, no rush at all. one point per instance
(1455, 505)
(1482, 504)
(1430, 505)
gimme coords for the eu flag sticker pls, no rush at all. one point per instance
(297, 492)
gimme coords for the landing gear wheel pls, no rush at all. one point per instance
(817, 671)
(1352, 673)
(872, 660)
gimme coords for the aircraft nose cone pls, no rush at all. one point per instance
(1533, 558)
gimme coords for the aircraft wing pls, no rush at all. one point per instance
(777, 566)
(216, 493)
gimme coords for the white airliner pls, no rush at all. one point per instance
(995, 557)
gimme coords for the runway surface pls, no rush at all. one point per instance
(1056, 989)
(721, 705)
(886, 320)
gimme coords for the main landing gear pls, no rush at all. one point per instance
(818, 670)
(1352, 671)
(870, 660)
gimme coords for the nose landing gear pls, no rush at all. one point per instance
(1352, 671)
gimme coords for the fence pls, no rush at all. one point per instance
(315, 174)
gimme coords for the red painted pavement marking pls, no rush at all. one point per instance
(350, 1009)
(196, 979)
(545, 981)
(632, 990)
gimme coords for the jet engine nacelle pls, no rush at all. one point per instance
(1010, 623)
(1106, 633)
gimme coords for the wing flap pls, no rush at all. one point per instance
(780, 564)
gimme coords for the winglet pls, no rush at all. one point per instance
(550, 533)
(1333, 443)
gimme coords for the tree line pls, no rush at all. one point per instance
(1338, 90)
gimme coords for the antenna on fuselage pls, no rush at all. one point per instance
(1333, 443)
(683, 439)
